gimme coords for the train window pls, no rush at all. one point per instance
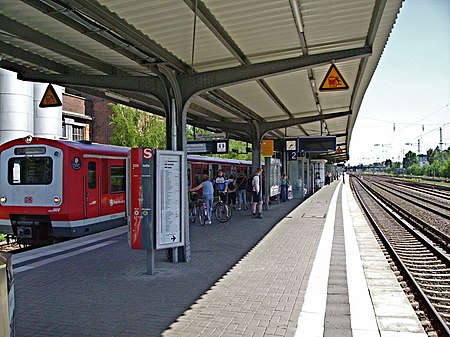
(215, 168)
(30, 171)
(92, 175)
(117, 175)
(197, 176)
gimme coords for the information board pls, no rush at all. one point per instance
(208, 146)
(170, 188)
(317, 144)
(267, 148)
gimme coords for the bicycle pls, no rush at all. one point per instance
(222, 212)
(197, 209)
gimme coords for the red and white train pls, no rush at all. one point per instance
(55, 189)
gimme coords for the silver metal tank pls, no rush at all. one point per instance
(16, 107)
(47, 121)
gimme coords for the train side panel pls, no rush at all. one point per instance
(52, 189)
(97, 193)
(56, 189)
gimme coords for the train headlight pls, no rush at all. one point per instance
(3, 199)
(56, 200)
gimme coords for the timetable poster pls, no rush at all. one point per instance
(169, 198)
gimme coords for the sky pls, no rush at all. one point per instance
(408, 98)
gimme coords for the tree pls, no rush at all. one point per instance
(414, 170)
(410, 159)
(435, 155)
(136, 128)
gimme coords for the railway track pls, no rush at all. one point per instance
(421, 257)
(432, 214)
(430, 190)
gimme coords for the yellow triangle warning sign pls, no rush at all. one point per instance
(333, 80)
(50, 98)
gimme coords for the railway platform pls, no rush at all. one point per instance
(310, 270)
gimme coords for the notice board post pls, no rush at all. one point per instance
(140, 204)
(155, 201)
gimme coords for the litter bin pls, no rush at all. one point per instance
(7, 328)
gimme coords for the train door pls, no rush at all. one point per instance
(214, 169)
(197, 172)
(242, 170)
(91, 188)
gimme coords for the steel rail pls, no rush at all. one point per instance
(444, 239)
(444, 215)
(439, 323)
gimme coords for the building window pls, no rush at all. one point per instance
(77, 133)
(73, 130)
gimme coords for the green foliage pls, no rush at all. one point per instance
(414, 169)
(410, 159)
(392, 167)
(436, 155)
(135, 128)
(438, 163)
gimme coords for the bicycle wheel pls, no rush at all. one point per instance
(192, 213)
(202, 217)
(222, 212)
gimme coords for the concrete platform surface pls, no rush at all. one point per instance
(312, 269)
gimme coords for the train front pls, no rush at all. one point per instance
(31, 188)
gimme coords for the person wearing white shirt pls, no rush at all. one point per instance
(256, 189)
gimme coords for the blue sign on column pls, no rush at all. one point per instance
(292, 155)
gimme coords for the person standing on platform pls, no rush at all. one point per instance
(317, 182)
(284, 187)
(221, 186)
(328, 178)
(241, 186)
(208, 195)
(231, 191)
(343, 177)
(257, 200)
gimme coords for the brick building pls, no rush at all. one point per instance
(86, 117)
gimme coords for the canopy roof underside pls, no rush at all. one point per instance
(139, 37)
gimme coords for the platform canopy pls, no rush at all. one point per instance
(241, 64)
